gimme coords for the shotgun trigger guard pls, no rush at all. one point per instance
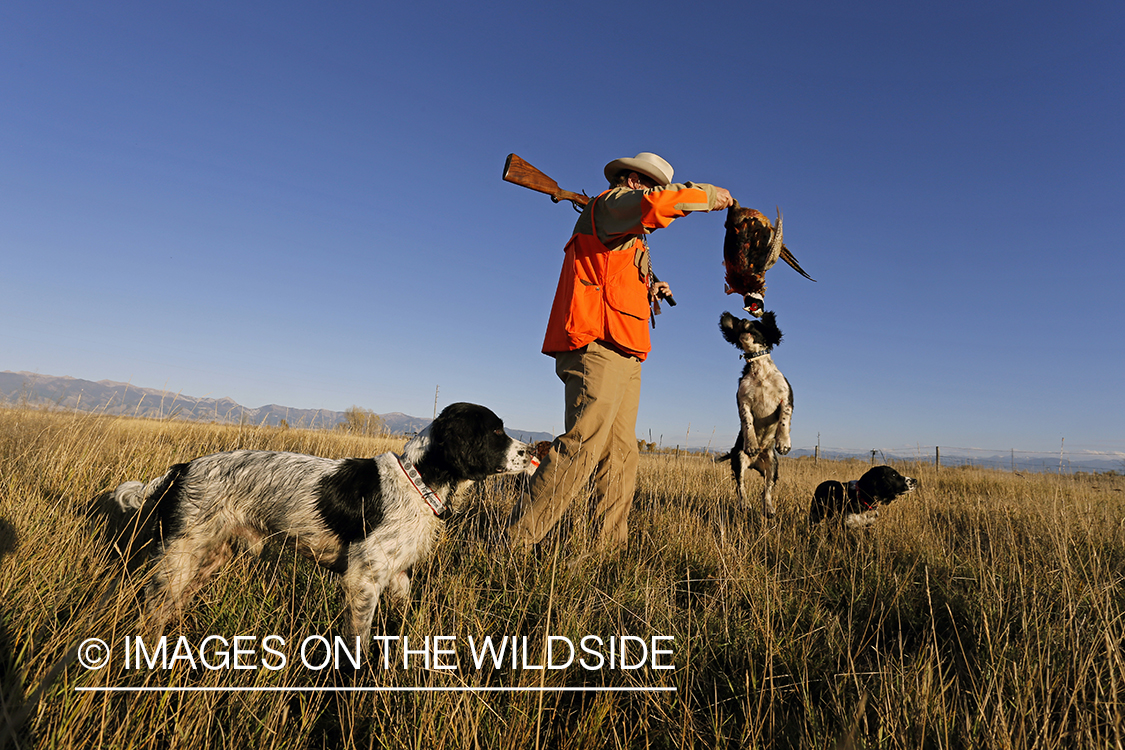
(574, 204)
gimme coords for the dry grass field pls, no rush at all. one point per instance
(985, 610)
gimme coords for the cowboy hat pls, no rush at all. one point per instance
(646, 163)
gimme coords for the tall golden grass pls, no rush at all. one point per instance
(983, 611)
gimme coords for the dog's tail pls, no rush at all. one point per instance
(131, 497)
(129, 516)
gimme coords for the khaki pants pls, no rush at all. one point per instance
(603, 390)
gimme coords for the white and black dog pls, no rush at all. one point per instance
(765, 404)
(369, 519)
(857, 502)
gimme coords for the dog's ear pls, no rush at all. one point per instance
(767, 327)
(731, 328)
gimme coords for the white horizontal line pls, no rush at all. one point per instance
(376, 689)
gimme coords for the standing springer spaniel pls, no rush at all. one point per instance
(368, 519)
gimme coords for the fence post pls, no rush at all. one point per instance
(937, 456)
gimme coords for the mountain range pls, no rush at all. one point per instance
(125, 399)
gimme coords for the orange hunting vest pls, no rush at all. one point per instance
(601, 296)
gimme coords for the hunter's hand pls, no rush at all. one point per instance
(722, 199)
(660, 290)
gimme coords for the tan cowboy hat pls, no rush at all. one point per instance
(646, 163)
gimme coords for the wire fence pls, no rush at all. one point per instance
(1063, 461)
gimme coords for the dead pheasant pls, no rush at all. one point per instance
(750, 248)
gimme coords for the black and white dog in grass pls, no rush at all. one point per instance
(765, 404)
(856, 504)
(368, 519)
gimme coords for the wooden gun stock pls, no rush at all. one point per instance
(519, 172)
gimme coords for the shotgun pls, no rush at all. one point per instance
(519, 172)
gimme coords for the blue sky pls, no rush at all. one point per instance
(301, 204)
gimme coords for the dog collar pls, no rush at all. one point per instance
(862, 497)
(755, 355)
(431, 497)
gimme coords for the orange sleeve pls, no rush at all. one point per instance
(661, 207)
